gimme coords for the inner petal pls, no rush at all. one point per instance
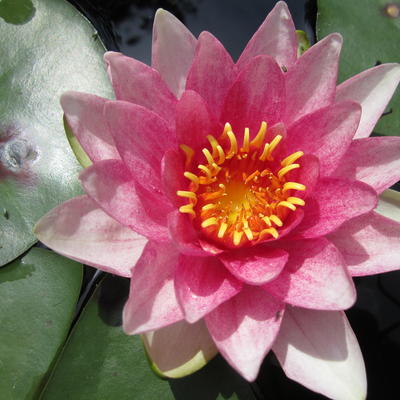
(240, 195)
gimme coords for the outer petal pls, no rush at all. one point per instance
(255, 266)
(333, 202)
(275, 37)
(314, 277)
(375, 161)
(319, 350)
(110, 185)
(78, 229)
(172, 51)
(311, 82)
(257, 95)
(212, 72)
(373, 89)
(389, 204)
(370, 244)
(326, 133)
(142, 138)
(179, 349)
(152, 303)
(138, 83)
(244, 329)
(84, 113)
(202, 284)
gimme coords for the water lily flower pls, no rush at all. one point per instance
(239, 197)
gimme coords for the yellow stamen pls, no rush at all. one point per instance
(209, 222)
(187, 209)
(259, 139)
(296, 200)
(272, 146)
(276, 220)
(269, 231)
(292, 158)
(282, 172)
(214, 143)
(208, 206)
(222, 230)
(227, 128)
(251, 177)
(293, 186)
(267, 221)
(189, 153)
(221, 154)
(233, 150)
(186, 194)
(205, 170)
(208, 156)
(246, 140)
(237, 237)
(287, 205)
(194, 178)
(248, 232)
(264, 153)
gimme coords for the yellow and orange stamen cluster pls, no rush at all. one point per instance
(238, 195)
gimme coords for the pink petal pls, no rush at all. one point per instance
(369, 244)
(172, 51)
(202, 284)
(333, 202)
(152, 303)
(314, 277)
(212, 72)
(111, 186)
(184, 235)
(180, 349)
(319, 350)
(307, 174)
(194, 121)
(244, 329)
(373, 89)
(172, 169)
(78, 229)
(389, 204)
(326, 133)
(142, 138)
(276, 37)
(84, 114)
(375, 161)
(311, 82)
(137, 83)
(257, 95)
(255, 266)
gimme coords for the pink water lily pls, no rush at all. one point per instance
(239, 198)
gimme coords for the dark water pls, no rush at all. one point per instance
(125, 25)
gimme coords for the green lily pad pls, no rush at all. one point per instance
(38, 297)
(100, 362)
(52, 50)
(371, 33)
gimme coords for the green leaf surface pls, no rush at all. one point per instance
(38, 297)
(100, 362)
(44, 52)
(371, 36)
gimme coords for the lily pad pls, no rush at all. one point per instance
(53, 51)
(38, 297)
(371, 32)
(100, 362)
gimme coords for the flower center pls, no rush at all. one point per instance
(240, 195)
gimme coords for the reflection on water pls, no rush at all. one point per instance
(125, 25)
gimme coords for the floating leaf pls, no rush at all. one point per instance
(371, 32)
(38, 297)
(53, 51)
